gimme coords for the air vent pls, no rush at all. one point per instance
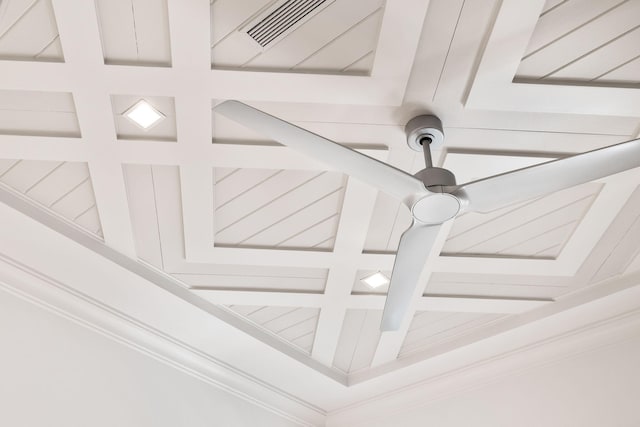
(284, 18)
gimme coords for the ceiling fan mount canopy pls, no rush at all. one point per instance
(425, 129)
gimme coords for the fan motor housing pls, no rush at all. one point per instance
(436, 177)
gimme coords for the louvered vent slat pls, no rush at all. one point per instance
(282, 19)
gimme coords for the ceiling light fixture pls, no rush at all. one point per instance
(376, 280)
(144, 115)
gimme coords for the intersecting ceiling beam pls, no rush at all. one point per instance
(78, 27)
(454, 304)
(357, 208)
(223, 155)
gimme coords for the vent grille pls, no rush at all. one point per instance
(282, 19)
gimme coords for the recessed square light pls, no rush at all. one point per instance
(376, 280)
(144, 115)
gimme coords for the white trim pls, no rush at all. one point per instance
(559, 347)
(15, 204)
(570, 309)
(370, 302)
(196, 184)
(585, 321)
(53, 296)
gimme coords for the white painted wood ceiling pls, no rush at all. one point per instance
(282, 241)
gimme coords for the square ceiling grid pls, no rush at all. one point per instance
(282, 242)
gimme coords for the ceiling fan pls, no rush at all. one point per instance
(432, 194)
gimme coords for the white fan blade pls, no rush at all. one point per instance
(497, 191)
(381, 175)
(414, 249)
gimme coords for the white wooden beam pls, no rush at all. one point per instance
(190, 52)
(43, 148)
(452, 304)
(80, 38)
(390, 60)
(261, 298)
(305, 88)
(223, 84)
(113, 206)
(357, 209)
(196, 183)
(24, 75)
(223, 155)
(190, 32)
(556, 98)
(79, 33)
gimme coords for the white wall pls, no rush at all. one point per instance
(54, 372)
(598, 389)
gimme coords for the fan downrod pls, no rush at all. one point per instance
(424, 133)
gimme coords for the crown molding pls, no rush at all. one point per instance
(51, 295)
(55, 222)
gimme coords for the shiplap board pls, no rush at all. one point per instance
(582, 41)
(358, 340)
(625, 73)
(539, 228)
(430, 328)
(229, 15)
(277, 208)
(38, 113)
(558, 20)
(294, 325)
(626, 248)
(164, 130)
(389, 220)
(351, 51)
(598, 65)
(342, 37)
(150, 196)
(544, 239)
(134, 31)
(28, 31)
(156, 216)
(63, 187)
(551, 4)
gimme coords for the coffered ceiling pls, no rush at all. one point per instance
(274, 243)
